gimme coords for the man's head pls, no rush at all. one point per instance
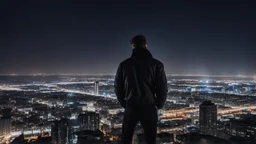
(139, 41)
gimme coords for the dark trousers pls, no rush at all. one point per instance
(147, 116)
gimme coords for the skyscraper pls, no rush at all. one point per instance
(97, 88)
(63, 131)
(89, 121)
(5, 121)
(54, 132)
(208, 118)
(5, 126)
(73, 127)
(59, 131)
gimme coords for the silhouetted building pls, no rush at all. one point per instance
(60, 132)
(6, 112)
(208, 118)
(164, 138)
(199, 139)
(63, 131)
(5, 126)
(161, 138)
(43, 140)
(244, 130)
(90, 137)
(5, 121)
(54, 132)
(73, 127)
(89, 121)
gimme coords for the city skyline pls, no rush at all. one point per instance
(210, 38)
(69, 109)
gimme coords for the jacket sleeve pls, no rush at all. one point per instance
(161, 86)
(119, 86)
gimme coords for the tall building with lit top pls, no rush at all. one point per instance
(208, 118)
(89, 121)
(97, 88)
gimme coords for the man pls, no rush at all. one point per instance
(141, 88)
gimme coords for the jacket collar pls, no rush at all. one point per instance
(141, 53)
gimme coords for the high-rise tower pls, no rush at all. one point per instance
(96, 88)
(5, 121)
(59, 131)
(208, 118)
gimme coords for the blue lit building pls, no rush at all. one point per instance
(188, 89)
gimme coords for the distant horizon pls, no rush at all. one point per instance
(109, 74)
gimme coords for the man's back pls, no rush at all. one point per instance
(141, 88)
(143, 79)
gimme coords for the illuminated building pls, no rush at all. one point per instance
(25, 110)
(188, 89)
(89, 121)
(59, 132)
(73, 127)
(223, 89)
(115, 111)
(90, 106)
(208, 118)
(97, 88)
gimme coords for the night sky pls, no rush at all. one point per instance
(93, 37)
